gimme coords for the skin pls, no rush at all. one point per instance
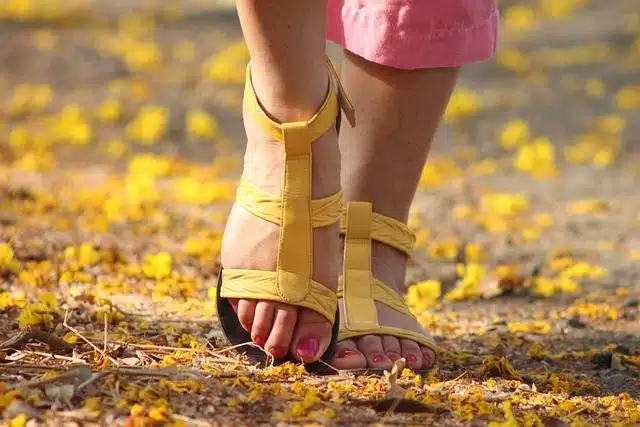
(397, 113)
(286, 43)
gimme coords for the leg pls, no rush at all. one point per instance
(289, 72)
(398, 112)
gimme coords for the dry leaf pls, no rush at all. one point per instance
(395, 390)
(394, 400)
(494, 366)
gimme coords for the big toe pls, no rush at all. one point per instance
(311, 337)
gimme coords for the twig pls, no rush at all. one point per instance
(78, 372)
(576, 412)
(459, 376)
(233, 347)
(328, 366)
(55, 356)
(176, 320)
(155, 347)
(22, 338)
(75, 331)
(190, 421)
(441, 385)
(158, 372)
(104, 347)
(497, 397)
(218, 354)
(26, 366)
(94, 377)
(322, 381)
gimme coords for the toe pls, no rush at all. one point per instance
(391, 347)
(262, 321)
(282, 331)
(234, 305)
(411, 353)
(428, 357)
(311, 337)
(348, 356)
(371, 347)
(246, 311)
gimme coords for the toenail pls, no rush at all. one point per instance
(379, 358)
(307, 347)
(393, 356)
(277, 352)
(411, 358)
(428, 358)
(259, 341)
(346, 352)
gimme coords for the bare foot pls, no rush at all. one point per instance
(252, 243)
(380, 351)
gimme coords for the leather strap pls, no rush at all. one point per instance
(293, 209)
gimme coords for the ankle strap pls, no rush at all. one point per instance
(385, 230)
(345, 103)
(297, 136)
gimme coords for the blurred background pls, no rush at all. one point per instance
(138, 103)
(121, 144)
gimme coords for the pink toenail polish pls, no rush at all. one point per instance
(428, 358)
(379, 358)
(278, 352)
(346, 352)
(411, 358)
(259, 341)
(307, 347)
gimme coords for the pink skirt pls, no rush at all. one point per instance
(411, 34)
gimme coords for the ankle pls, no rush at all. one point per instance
(293, 100)
(389, 265)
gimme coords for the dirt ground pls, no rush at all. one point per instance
(120, 148)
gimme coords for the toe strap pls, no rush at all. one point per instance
(357, 287)
(263, 285)
(383, 294)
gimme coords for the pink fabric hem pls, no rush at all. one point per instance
(401, 34)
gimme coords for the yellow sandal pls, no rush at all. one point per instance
(358, 288)
(297, 214)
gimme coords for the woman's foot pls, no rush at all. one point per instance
(382, 158)
(380, 351)
(252, 243)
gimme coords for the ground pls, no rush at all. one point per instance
(120, 145)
